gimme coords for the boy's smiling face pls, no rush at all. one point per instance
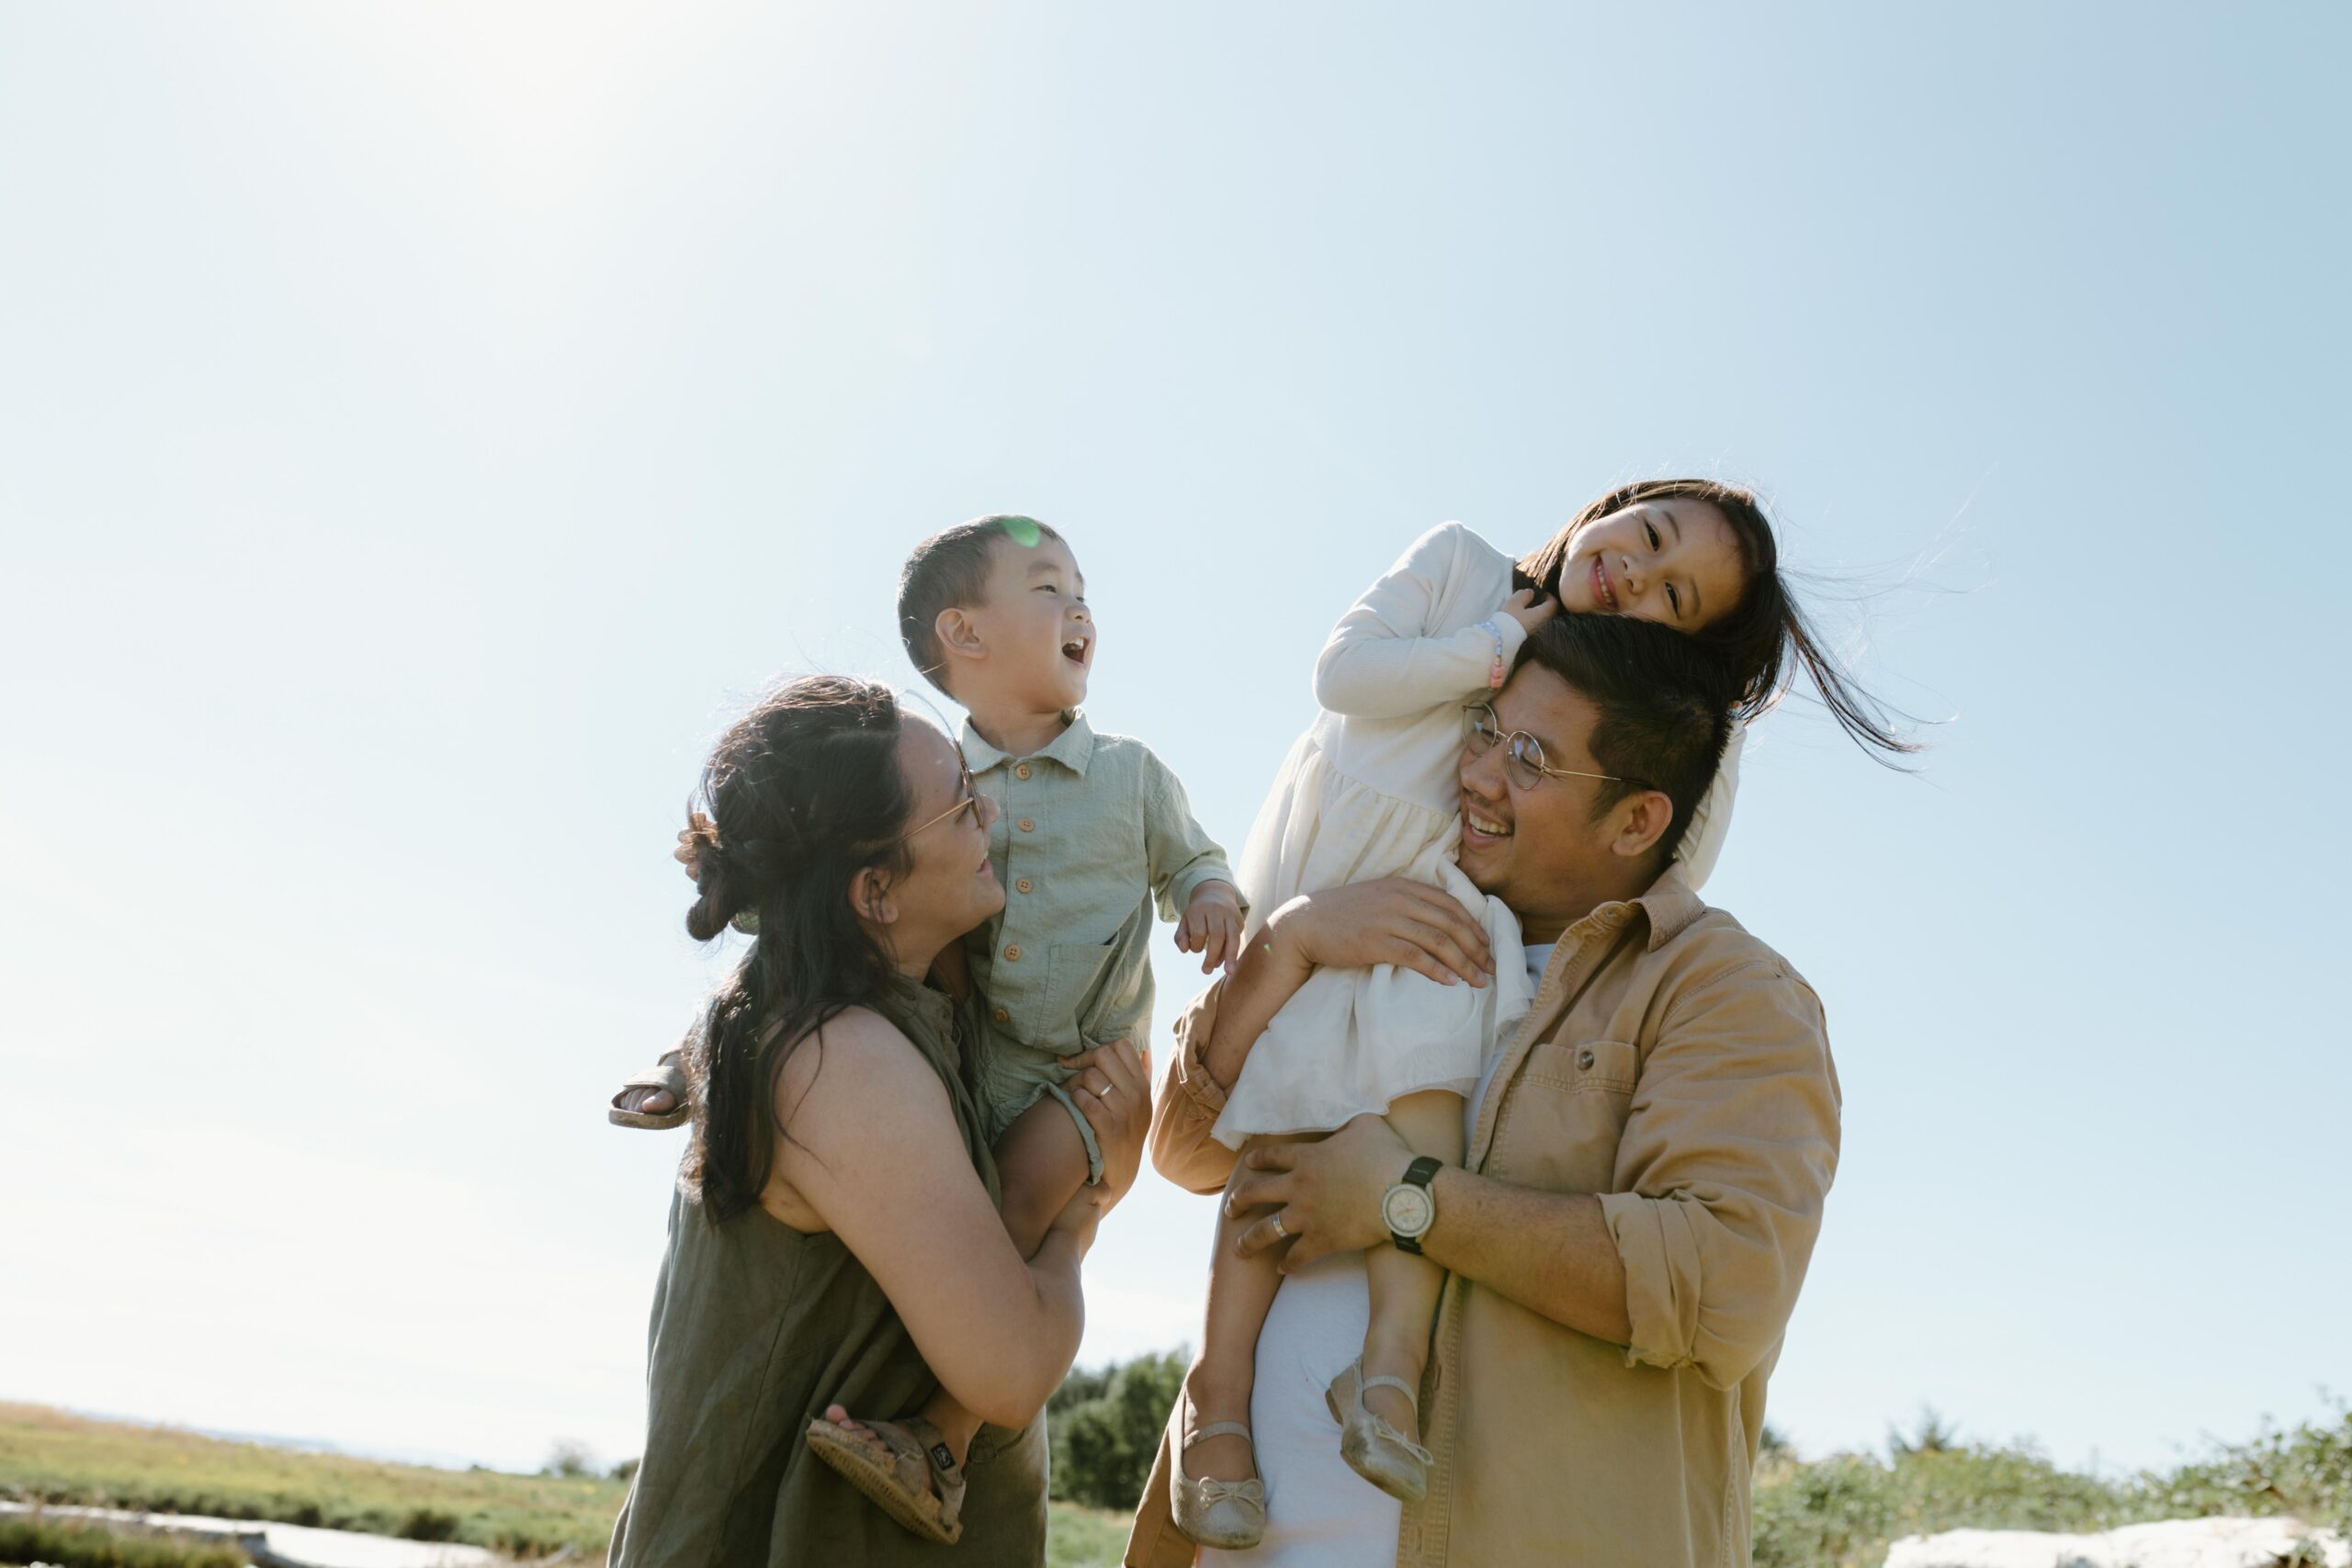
(1032, 631)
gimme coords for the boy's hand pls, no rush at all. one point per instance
(1212, 926)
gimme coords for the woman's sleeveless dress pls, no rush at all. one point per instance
(756, 1328)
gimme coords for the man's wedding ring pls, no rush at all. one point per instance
(1280, 1232)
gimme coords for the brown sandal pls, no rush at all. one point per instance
(669, 1075)
(901, 1487)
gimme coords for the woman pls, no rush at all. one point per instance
(835, 1241)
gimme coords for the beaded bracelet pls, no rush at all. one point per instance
(1495, 671)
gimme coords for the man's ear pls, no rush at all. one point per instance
(869, 895)
(958, 634)
(1642, 820)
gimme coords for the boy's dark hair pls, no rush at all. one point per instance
(1666, 702)
(950, 570)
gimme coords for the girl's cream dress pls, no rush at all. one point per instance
(1370, 791)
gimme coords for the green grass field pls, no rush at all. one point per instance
(50, 1456)
(1839, 1511)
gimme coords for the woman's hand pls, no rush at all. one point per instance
(1113, 1090)
(1530, 608)
(1394, 921)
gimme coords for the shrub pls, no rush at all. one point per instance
(1105, 1432)
(429, 1523)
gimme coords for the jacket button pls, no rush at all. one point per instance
(1012, 954)
(1023, 885)
(1584, 1060)
(1028, 825)
(1001, 1016)
(1021, 771)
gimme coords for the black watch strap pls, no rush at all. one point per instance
(1421, 1173)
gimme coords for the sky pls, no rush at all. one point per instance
(422, 429)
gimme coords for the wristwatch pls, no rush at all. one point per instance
(1409, 1207)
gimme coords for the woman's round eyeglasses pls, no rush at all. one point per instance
(967, 799)
(1483, 730)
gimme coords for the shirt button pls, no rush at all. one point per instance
(1012, 954)
(1022, 885)
(1021, 771)
(1001, 1016)
(1584, 1060)
(1027, 826)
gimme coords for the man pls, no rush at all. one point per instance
(1646, 1164)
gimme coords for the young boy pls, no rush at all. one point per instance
(1091, 831)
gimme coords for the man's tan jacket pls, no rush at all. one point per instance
(1680, 1068)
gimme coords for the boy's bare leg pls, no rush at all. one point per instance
(1405, 1287)
(1041, 1164)
(1222, 1378)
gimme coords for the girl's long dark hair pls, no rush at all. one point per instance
(1766, 640)
(801, 793)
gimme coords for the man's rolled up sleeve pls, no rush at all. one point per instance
(1726, 1159)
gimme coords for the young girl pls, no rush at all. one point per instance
(1370, 791)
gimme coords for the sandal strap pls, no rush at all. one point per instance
(1412, 1396)
(1219, 1429)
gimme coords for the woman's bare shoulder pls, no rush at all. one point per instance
(853, 1069)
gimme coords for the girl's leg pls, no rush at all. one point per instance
(1223, 1376)
(1405, 1287)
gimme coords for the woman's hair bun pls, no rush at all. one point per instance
(716, 880)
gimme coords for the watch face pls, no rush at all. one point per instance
(1408, 1209)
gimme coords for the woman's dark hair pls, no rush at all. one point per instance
(1765, 639)
(803, 792)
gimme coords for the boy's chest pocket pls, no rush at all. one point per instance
(1565, 1112)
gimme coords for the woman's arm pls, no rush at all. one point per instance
(1381, 662)
(874, 1149)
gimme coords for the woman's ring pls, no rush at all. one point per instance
(1280, 1234)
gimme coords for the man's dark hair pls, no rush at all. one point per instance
(950, 570)
(1665, 699)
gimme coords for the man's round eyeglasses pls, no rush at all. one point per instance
(1484, 731)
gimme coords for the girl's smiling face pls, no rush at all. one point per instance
(1674, 561)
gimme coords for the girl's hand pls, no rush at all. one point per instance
(1530, 608)
(1113, 1090)
(1395, 921)
(1212, 926)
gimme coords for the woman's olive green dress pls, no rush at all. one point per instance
(756, 1328)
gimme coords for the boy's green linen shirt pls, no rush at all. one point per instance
(1090, 830)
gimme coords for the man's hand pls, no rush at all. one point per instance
(1394, 921)
(1327, 1194)
(1111, 1088)
(1212, 926)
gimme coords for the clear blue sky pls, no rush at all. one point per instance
(420, 430)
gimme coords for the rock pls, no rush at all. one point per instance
(2175, 1543)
